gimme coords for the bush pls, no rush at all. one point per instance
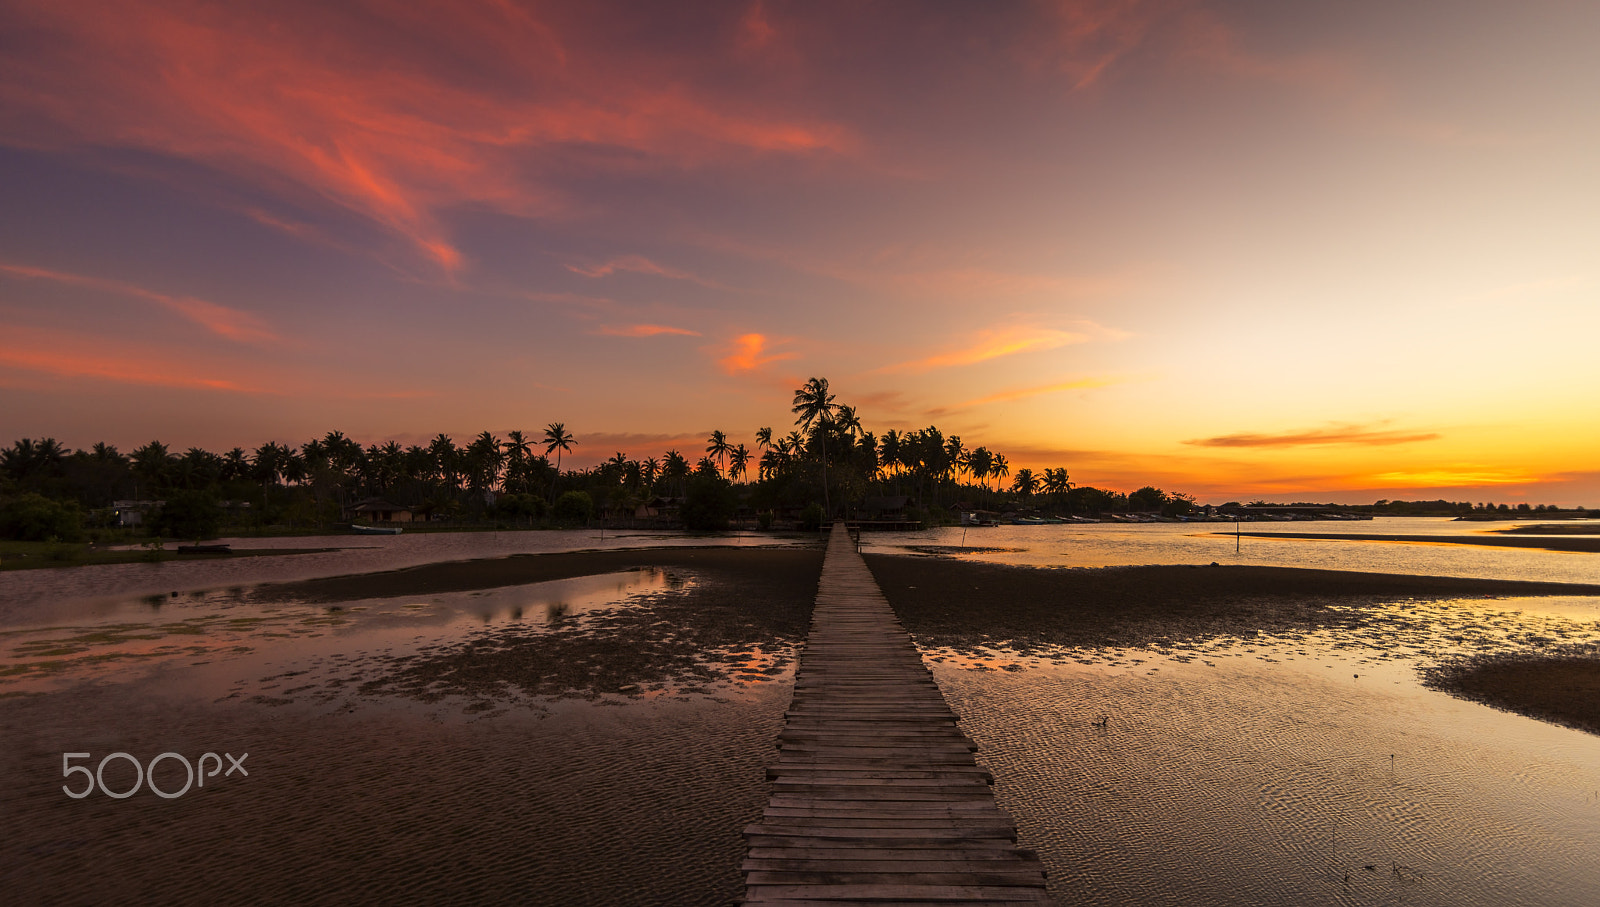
(573, 507)
(188, 515)
(36, 518)
(709, 504)
(519, 506)
(811, 517)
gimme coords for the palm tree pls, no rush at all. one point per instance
(650, 470)
(979, 464)
(445, 459)
(1055, 482)
(676, 467)
(556, 439)
(999, 469)
(846, 420)
(1026, 483)
(764, 436)
(738, 461)
(814, 406)
(151, 464)
(717, 446)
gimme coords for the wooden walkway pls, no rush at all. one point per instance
(876, 797)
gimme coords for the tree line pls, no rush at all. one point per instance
(827, 463)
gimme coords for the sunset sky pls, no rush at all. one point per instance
(1246, 250)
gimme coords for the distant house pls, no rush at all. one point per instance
(885, 507)
(132, 513)
(380, 511)
(661, 509)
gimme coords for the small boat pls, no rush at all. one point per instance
(374, 530)
(218, 548)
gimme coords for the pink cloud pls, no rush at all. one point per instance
(311, 95)
(643, 330)
(218, 319)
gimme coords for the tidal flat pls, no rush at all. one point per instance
(594, 727)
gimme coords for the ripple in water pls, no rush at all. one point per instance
(1304, 769)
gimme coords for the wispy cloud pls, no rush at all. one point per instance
(62, 357)
(638, 264)
(990, 345)
(232, 324)
(749, 353)
(1023, 393)
(75, 355)
(1335, 434)
(642, 330)
(312, 97)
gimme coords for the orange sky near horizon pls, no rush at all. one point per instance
(1244, 250)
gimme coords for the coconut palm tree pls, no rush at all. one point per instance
(151, 464)
(556, 439)
(650, 470)
(1026, 483)
(846, 421)
(814, 407)
(717, 446)
(1055, 482)
(999, 469)
(764, 437)
(676, 467)
(979, 463)
(738, 461)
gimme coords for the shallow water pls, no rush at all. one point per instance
(1258, 770)
(25, 591)
(222, 633)
(1118, 544)
(370, 786)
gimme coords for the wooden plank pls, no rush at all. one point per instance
(876, 797)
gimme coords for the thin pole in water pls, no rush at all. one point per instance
(1236, 533)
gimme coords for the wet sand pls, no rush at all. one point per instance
(963, 607)
(566, 789)
(951, 602)
(1563, 688)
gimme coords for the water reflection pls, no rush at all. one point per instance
(205, 625)
(1300, 767)
(1113, 544)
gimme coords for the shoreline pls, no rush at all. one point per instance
(1579, 544)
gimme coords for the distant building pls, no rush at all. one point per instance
(380, 511)
(132, 513)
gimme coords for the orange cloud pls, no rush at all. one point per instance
(62, 354)
(218, 319)
(643, 330)
(111, 366)
(1340, 434)
(310, 96)
(992, 345)
(745, 354)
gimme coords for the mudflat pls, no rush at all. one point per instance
(599, 758)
